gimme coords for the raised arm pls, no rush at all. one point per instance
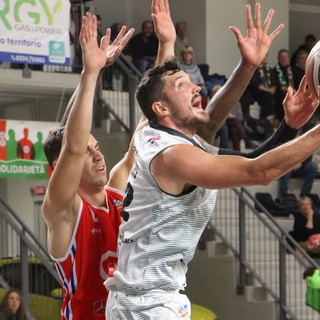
(181, 166)
(166, 34)
(61, 202)
(164, 29)
(299, 108)
(114, 51)
(253, 48)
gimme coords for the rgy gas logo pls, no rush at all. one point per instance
(31, 12)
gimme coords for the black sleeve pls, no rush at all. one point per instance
(283, 134)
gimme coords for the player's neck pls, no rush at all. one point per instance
(97, 199)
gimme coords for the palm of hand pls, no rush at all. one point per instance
(254, 46)
(93, 56)
(299, 107)
(164, 27)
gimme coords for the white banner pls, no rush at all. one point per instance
(35, 31)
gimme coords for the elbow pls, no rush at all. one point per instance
(262, 178)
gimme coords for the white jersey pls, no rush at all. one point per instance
(159, 231)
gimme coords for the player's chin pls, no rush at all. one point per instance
(202, 116)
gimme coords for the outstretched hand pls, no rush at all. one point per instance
(255, 45)
(299, 107)
(115, 48)
(163, 24)
(94, 57)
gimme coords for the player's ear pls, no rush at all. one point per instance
(160, 108)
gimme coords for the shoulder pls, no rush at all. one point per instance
(113, 193)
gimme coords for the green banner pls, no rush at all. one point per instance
(21, 149)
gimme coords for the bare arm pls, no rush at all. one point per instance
(111, 58)
(61, 203)
(253, 48)
(164, 29)
(298, 107)
(120, 172)
(166, 34)
(182, 165)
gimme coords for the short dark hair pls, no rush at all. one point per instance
(310, 37)
(150, 88)
(281, 51)
(145, 22)
(52, 145)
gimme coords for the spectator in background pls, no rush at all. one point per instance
(309, 41)
(261, 88)
(12, 306)
(307, 170)
(181, 42)
(190, 67)
(142, 48)
(306, 224)
(284, 79)
(298, 70)
(99, 28)
(181, 39)
(233, 128)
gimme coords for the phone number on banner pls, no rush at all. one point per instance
(27, 59)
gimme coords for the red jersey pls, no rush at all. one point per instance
(92, 251)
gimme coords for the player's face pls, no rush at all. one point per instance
(184, 102)
(94, 169)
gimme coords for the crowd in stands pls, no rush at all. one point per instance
(267, 87)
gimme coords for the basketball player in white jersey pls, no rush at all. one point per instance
(171, 190)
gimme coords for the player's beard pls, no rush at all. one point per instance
(192, 124)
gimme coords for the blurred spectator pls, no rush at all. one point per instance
(261, 89)
(12, 306)
(181, 42)
(307, 170)
(181, 39)
(298, 70)
(99, 28)
(190, 67)
(233, 128)
(284, 79)
(142, 48)
(306, 224)
(309, 41)
(223, 135)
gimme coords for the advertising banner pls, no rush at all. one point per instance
(35, 31)
(21, 149)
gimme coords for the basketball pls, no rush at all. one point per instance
(312, 68)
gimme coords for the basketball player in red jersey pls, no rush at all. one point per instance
(82, 210)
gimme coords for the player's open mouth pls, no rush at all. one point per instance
(100, 168)
(196, 102)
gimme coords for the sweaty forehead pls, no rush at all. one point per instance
(92, 141)
(171, 79)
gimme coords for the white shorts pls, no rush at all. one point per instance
(155, 305)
